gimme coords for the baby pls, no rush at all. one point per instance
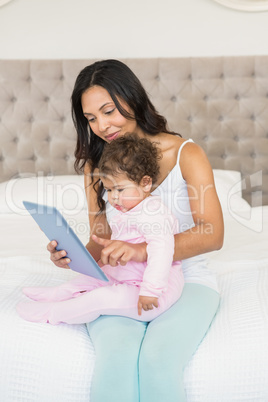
(128, 169)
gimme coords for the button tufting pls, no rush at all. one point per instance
(205, 98)
(46, 99)
(48, 139)
(224, 156)
(253, 155)
(29, 79)
(62, 119)
(190, 119)
(236, 138)
(30, 119)
(237, 97)
(205, 138)
(61, 77)
(13, 99)
(15, 140)
(1, 158)
(190, 77)
(66, 157)
(220, 118)
(33, 158)
(252, 117)
(173, 98)
(157, 78)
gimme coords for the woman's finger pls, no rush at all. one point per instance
(52, 246)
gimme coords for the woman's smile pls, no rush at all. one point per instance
(113, 136)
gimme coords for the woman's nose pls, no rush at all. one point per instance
(103, 124)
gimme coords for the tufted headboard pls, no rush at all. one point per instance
(222, 103)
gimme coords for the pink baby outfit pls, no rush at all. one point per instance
(84, 298)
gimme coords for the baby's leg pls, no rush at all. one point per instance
(73, 288)
(116, 299)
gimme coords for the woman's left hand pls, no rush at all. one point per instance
(116, 252)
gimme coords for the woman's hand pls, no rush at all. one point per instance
(147, 303)
(116, 252)
(58, 257)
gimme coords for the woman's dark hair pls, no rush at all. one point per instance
(131, 155)
(121, 83)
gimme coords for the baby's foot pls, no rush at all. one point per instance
(34, 311)
(48, 294)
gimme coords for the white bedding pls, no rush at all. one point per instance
(44, 363)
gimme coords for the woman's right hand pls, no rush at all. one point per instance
(58, 257)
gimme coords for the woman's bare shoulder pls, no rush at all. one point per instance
(192, 152)
(194, 162)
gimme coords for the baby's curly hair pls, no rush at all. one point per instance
(134, 156)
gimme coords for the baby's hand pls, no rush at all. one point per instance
(116, 252)
(146, 303)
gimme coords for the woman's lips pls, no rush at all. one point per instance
(112, 137)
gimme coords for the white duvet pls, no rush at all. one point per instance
(44, 363)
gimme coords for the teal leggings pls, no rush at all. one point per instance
(140, 362)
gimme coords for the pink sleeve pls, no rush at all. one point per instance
(158, 230)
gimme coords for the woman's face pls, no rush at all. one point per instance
(103, 116)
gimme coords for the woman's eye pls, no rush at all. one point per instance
(109, 111)
(120, 190)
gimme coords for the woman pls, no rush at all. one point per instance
(136, 362)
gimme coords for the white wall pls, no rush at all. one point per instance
(57, 29)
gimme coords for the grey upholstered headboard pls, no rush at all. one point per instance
(222, 103)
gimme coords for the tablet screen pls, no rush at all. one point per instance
(55, 227)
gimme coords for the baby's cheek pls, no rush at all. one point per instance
(129, 204)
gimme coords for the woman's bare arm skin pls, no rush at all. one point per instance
(207, 235)
(98, 223)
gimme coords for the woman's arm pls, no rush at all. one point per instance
(207, 235)
(98, 223)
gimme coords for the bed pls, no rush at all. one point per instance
(221, 103)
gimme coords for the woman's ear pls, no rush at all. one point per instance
(146, 183)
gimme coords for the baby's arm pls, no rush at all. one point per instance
(158, 229)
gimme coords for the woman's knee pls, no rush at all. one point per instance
(117, 336)
(157, 355)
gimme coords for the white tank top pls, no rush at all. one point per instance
(173, 192)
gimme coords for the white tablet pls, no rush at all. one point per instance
(55, 227)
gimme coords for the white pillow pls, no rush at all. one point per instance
(229, 189)
(64, 192)
(68, 195)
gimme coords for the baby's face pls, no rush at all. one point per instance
(123, 193)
